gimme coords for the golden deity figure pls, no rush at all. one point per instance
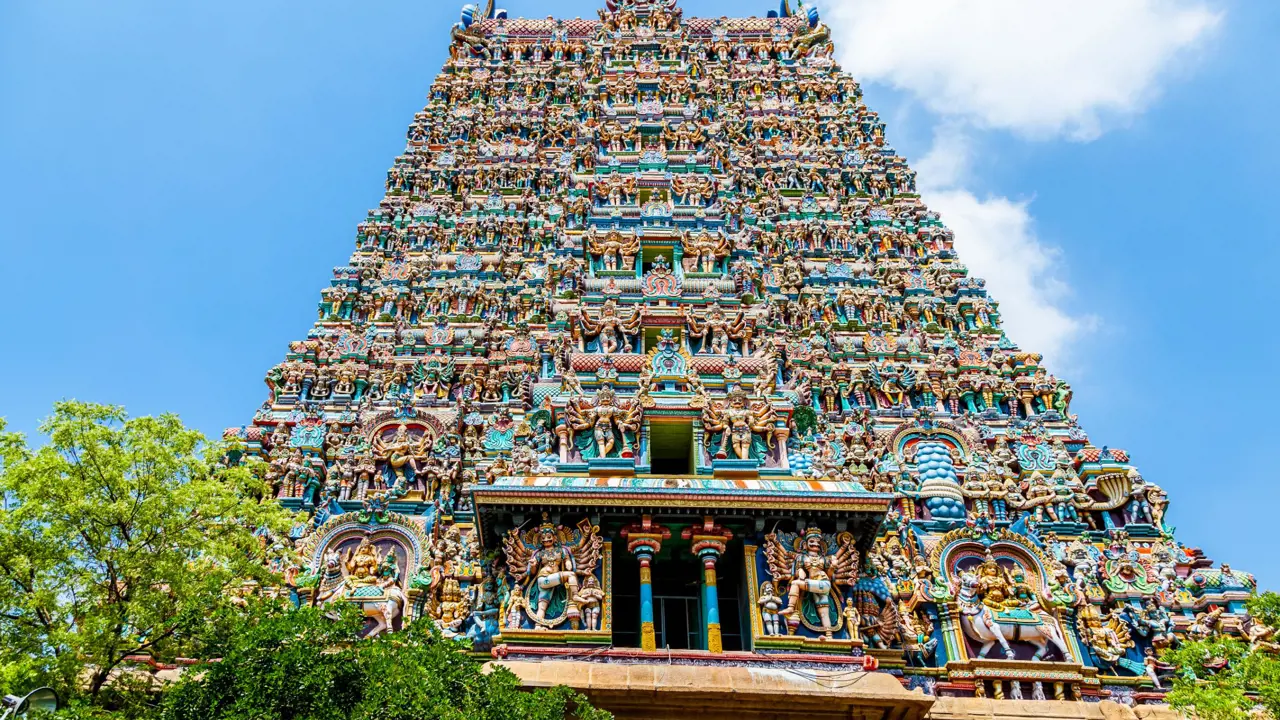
(360, 566)
(1007, 591)
(372, 581)
(610, 328)
(813, 567)
(996, 587)
(453, 563)
(705, 250)
(1107, 634)
(401, 451)
(612, 424)
(454, 604)
(740, 423)
(715, 329)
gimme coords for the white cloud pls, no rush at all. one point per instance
(996, 238)
(1036, 67)
(1041, 69)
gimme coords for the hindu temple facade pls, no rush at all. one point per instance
(651, 350)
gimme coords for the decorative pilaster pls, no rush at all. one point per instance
(698, 447)
(708, 542)
(782, 433)
(644, 540)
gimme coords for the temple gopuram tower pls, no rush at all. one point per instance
(653, 362)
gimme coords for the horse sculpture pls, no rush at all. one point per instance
(987, 626)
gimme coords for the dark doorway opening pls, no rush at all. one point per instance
(677, 601)
(626, 597)
(678, 612)
(676, 577)
(671, 448)
(732, 589)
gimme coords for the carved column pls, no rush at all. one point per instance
(708, 542)
(644, 540)
(782, 433)
(698, 439)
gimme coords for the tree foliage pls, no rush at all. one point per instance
(285, 664)
(117, 538)
(1205, 688)
(126, 539)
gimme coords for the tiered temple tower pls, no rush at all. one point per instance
(652, 347)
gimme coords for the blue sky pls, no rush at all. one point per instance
(177, 181)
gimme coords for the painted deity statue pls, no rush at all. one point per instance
(401, 452)
(363, 576)
(705, 250)
(715, 329)
(613, 251)
(1105, 633)
(1153, 622)
(814, 566)
(770, 609)
(609, 424)
(550, 564)
(610, 329)
(746, 429)
(996, 605)
(589, 599)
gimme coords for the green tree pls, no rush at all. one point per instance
(117, 539)
(1205, 689)
(304, 664)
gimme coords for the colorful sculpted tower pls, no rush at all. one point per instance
(651, 346)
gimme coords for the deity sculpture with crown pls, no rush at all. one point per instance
(549, 565)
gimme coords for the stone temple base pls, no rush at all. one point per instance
(658, 691)
(979, 709)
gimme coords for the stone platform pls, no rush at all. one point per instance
(658, 691)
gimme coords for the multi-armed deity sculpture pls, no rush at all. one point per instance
(650, 295)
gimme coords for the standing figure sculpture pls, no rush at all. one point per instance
(610, 329)
(614, 252)
(814, 567)
(715, 329)
(770, 609)
(739, 424)
(549, 564)
(705, 250)
(612, 425)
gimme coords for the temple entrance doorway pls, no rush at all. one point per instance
(677, 603)
(677, 585)
(735, 616)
